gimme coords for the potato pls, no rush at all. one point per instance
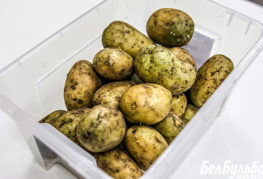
(67, 122)
(111, 93)
(156, 64)
(170, 127)
(179, 103)
(145, 145)
(170, 27)
(102, 129)
(113, 64)
(81, 83)
(209, 77)
(189, 113)
(146, 103)
(52, 117)
(118, 164)
(184, 55)
(136, 79)
(123, 36)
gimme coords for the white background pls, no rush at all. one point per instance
(235, 136)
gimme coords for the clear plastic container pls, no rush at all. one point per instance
(32, 86)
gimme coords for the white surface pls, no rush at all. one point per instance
(236, 136)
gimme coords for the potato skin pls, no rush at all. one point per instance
(189, 113)
(184, 55)
(170, 27)
(118, 164)
(123, 36)
(179, 103)
(111, 93)
(170, 127)
(80, 85)
(113, 64)
(145, 145)
(67, 122)
(146, 103)
(102, 129)
(209, 77)
(156, 64)
(52, 117)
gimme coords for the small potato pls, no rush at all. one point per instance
(81, 83)
(113, 64)
(118, 164)
(209, 77)
(145, 145)
(189, 113)
(179, 103)
(123, 36)
(67, 122)
(170, 27)
(170, 127)
(111, 93)
(52, 117)
(184, 55)
(136, 79)
(146, 103)
(102, 129)
(156, 64)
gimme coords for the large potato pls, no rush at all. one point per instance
(170, 127)
(189, 113)
(170, 27)
(155, 64)
(123, 36)
(118, 164)
(111, 93)
(81, 83)
(179, 103)
(67, 122)
(146, 103)
(52, 117)
(184, 55)
(209, 77)
(145, 145)
(102, 129)
(113, 64)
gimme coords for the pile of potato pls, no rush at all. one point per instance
(128, 105)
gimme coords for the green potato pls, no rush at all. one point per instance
(209, 77)
(102, 129)
(123, 36)
(80, 85)
(144, 144)
(118, 164)
(52, 117)
(184, 55)
(189, 113)
(156, 64)
(170, 127)
(111, 93)
(170, 27)
(113, 64)
(146, 103)
(179, 103)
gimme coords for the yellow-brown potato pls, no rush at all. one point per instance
(170, 127)
(118, 164)
(81, 83)
(184, 55)
(209, 77)
(123, 36)
(189, 113)
(145, 145)
(179, 103)
(111, 93)
(52, 117)
(102, 129)
(113, 64)
(146, 103)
